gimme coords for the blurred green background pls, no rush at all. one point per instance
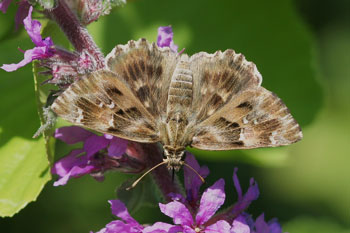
(302, 49)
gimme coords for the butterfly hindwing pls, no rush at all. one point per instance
(102, 102)
(254, 118)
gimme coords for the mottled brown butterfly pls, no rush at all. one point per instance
(150, 94)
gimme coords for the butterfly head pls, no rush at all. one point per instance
(173, 157)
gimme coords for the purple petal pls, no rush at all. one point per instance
(160, 227)
(240, 225)
(22, 12)
(33, 29)
(178, 212)
(192, 181)
(247, 219)
(120, 210)
(75, 172)
(4, 5)
(237, 184)
(274, 226)
(165, 38)
(94, 144)
(29, 55)
(118, 226)
(219, 227)
(187, 229)
(251, 195)
(253, 191)
(117, 147)
(261, 226)
(64, 165)
(72, 134)
(72, 166)
(211, 201)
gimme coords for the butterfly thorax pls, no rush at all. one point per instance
(179, 102)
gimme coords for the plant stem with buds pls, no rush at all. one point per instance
(77, 34)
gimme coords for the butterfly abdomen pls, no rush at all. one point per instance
(180, 90)
(179, 102)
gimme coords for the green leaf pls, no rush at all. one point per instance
(24, 172)
(24, 166)
(145, 193)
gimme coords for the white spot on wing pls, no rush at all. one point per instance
(211, 111)
(241, 136)
(272, 138)
(245, 121)
(111, 121)
(80, 115)
(146, 103)
(111, 106)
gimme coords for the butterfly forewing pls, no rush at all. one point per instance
(102, 102)
(146, 69)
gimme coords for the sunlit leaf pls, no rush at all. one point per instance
(24, 167)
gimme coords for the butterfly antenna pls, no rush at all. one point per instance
(144, 174)
(202, 179)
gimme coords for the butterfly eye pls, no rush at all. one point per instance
(164, 155)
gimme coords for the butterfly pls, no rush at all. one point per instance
(207, 101)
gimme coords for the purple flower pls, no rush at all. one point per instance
(4, 5)
(128, 224)
(87, 160)
(189, 217)
(44, 47)
(165, 38)
(211, 201)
